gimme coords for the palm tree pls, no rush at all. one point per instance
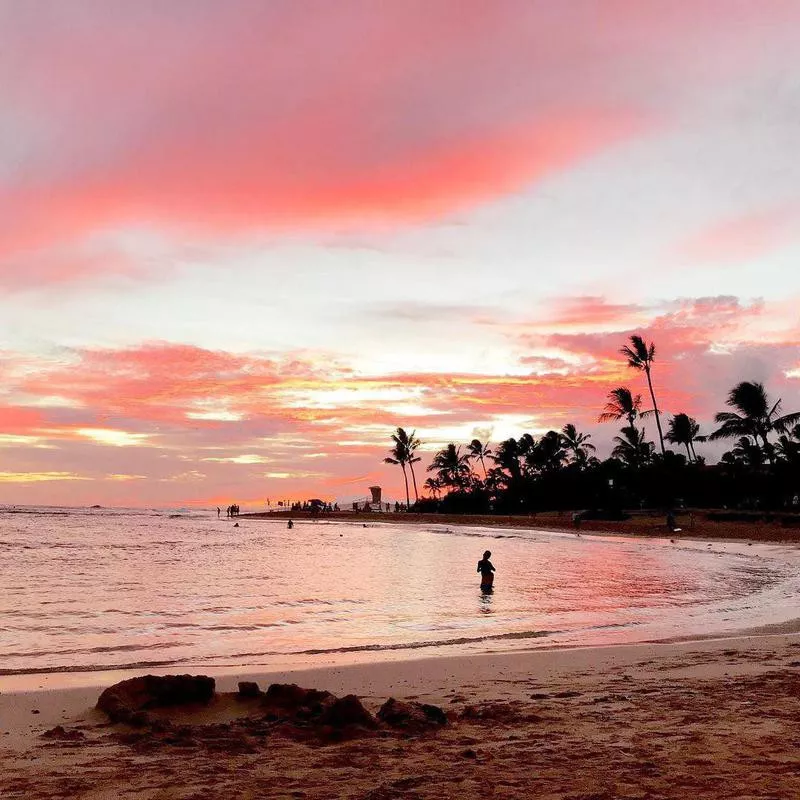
(508, 456)
(631, 447)
(434, 486)
(641, 356)
(549, 453)
(399, 454)
(577, 444)
(411, 444)
(452, 467)
(744, 451)
(623, 405)
(684, 430)
(754, 415)
(478, 450)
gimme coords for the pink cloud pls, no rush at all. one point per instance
(217, 118)
(743, 238)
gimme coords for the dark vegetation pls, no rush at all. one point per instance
(560, 469)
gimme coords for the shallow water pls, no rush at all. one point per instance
(99, 589)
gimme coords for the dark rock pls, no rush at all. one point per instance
(469, 753)
(344, 712)
(126, 701)
(249, 689)
(398, 714)
(60, 733)
(564, 695)
(293, 700)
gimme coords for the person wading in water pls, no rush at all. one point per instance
(487, 572)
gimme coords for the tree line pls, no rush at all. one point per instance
(560, 469)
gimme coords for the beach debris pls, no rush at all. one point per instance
(249, 689)
(296, 704)
(292, 700)
(411, 715)
(129, 700)
(60, 733)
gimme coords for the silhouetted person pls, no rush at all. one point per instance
(290, 525)
(219, 511)
(486, 570)
(670, 520)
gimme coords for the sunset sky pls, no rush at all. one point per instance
(240, 242)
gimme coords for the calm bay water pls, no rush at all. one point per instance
(98, 589)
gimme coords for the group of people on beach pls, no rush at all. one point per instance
(230, 511)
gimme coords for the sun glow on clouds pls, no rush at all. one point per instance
(113, 437)
(395, 228)
(39, 477)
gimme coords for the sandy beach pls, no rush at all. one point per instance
(714, 718)
(693, 525)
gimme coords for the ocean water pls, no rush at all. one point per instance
(97, 589)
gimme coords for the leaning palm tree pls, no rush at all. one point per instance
(632, 448)
(623, 405)
(577, 444)
(451, 466)
(478, 451)
(399, 455)
(641, 356)
(754, 415)
(684, 430)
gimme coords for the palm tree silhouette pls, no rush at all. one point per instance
(451, 466)
(508, 457)
(641, 356)
(434, 486)
(754, 415)
(399, 454)
(478, 450)
(549, 453)
(623, 405)
(411, 444)
(631, 447)
(577, 444)
(684, 430)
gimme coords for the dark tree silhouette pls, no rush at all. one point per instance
(577, 444)
(623, 405)
(754, 415)
(631, 448)
(641, 356)
(451, 467)
(684, 430)
(399, 455)
(479, 451)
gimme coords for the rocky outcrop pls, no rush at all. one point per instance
(129, 700)
(411, 715)
(248, 690)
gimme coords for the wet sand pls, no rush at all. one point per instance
(714, 718)
(697, 525)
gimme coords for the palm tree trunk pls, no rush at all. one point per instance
(688, 452)
(694, 455)
(485, 474)
(414, 478)
(405, 478)
(655, 409)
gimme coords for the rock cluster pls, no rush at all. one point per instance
(128, 701)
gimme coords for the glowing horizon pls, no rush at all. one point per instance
(229, 271)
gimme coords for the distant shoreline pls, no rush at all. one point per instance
(693, 525)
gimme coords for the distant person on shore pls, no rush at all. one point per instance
(219, 511)
(486, 570)
(290, 525)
